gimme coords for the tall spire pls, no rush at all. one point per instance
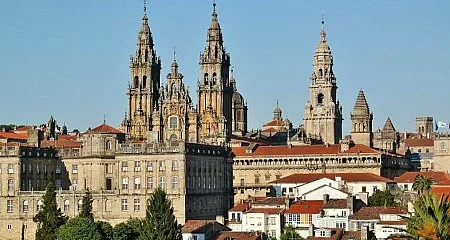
(174, 65)
(361, 106)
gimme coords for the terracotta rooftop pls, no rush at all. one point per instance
(305, 207)
(203, 226)
(353, 235)
(105, 128)
(441, 190)
(373, 213)
(241, 207)
(13, 136)
(409, 177)
(67, 137)
(265, 210)
(335, 203)
(275, 122)
(419, 142)
(347, 177)
(239, 236)
(284, 150)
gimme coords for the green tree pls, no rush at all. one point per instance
(289, 233)
(105, 229)
(129, 230)
(79, 228)
(422, 184)
(431, 220)
(159, 222)
(86, 207)
(49, 218)
(382, 199)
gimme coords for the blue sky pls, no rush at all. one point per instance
(70, 59)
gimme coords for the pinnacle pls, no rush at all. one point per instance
(361, 106)
(388, 126)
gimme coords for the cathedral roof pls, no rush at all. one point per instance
(105, 129)
(388, 126)
(238, 99)
(361, 106)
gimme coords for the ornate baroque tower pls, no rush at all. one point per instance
(214, 88)
(175, 119)
(239, 109)
(323, 113)
(143, 90)
(362, 121)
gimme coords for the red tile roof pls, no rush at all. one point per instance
(347, 177)
(373, 213)
(283, 150)
(241, 207)
(105, 128)
(239, 236)
(392, 222)
(305, 207)
(419, 142)
(67, 137)
(273, 201)
(265, 210)
(203, 226)
(355, 235)
(409, 177)
(441, 190)
(13, 136)
(275, 122)
(335, 203)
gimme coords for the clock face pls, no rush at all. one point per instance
(319, 110)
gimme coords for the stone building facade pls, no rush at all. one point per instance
(323, 112)
(362, 121)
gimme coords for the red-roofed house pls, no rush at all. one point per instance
(312, 186)
(240, 236)
(6, 137)
(406, 180)
(265, 215)
(256, 166)
(384, 221)
(302, 214)
(202, 229)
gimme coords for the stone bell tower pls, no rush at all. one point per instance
(323, 113)
(362, 121)
(214, 88)
(143, 89)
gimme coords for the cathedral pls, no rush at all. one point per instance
(166, 113)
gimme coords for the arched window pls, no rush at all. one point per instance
(136, 81)
(175, 183)
(137, 183)
(108, 145)
(66, 206)
(80, 205)
(214, 78)
(173, 122)
(320, 99)
(144, 82)
(25, 206)
(320, 72)
(206, 80)
(108, 207)
(125, 183)
(39, 205)
(146, 55)
(173, 88)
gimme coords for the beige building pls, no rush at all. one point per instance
(323, 113)
(121, 176)
(254, 166)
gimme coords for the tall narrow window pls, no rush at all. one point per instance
(108, 145)
(66, 206)
(75, 184)
(214, 79)
(124, 204)
(173, 122)
(149, 166)
(206, 80)
(162, 165)
(125, 183)
(175, 165)
(26, 206)
(136, 81)
(144, 82)
(149, 182)
(320, 98)
(80, 205)
(39, 205)
(137, 183)
(137, 166)
(175, 183)
(162, 182)
(9, 206)
(10, 185)
(137, 204)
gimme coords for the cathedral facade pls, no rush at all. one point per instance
(159, 114)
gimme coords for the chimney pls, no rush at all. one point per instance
(364, 232)
(326, 198)
(220, 219)
(311, 230)
(350, 204)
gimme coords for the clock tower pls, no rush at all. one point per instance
(323, 113)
